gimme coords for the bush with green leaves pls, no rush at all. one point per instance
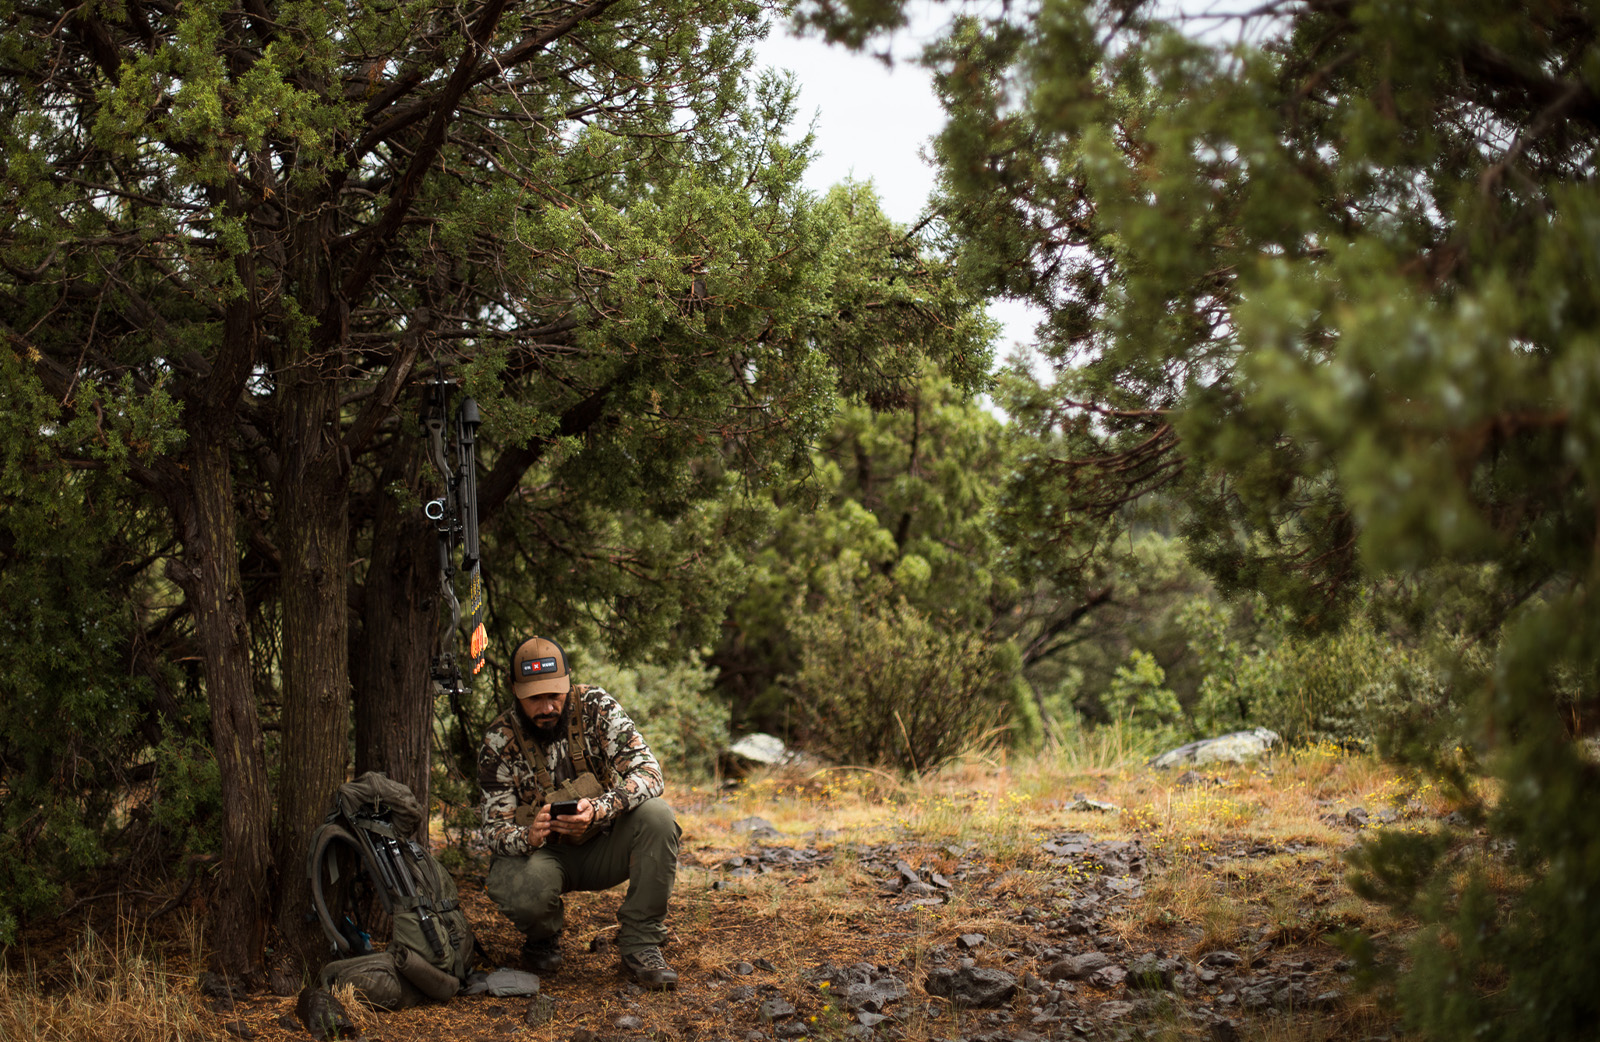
(1139, 699)
(1351, 686)
(882, 683)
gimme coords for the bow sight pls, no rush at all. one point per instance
(455, 516)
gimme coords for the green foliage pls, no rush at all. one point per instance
(1354, 686)
(185, 808)
(1137, 698)
(881, 683)
(77, 710)
(1325, 275)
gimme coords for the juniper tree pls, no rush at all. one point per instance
(238, 238)
(1326, 271)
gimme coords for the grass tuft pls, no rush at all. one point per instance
(118, 992)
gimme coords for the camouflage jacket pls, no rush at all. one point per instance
(617, 751)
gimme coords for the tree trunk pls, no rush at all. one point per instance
(201, 498)
(209, 574)
(398, 633)
(311, 499)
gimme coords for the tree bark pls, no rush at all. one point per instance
(311, 499)
(209, 574)
(397, 634)
(201, 498)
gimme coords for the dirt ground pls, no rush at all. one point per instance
(1222, 931)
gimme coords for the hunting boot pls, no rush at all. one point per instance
(542, 955)
(648, 968)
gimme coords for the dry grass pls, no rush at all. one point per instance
(1241, 859)
(118, 992)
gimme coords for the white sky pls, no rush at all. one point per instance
(873, 123)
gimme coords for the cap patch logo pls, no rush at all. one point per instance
(536, 666)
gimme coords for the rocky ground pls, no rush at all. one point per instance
(911, 940)
(1100, 924)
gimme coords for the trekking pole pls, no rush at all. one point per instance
(430, 928)
(381, 862)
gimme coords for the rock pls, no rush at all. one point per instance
(1188, 778)
(322, 1014)
(873, 996)
(1108, 976)
(584, 1035)
(970, 940)
(766, 966)
(757, 828)
(870, 1020)
(1356, 816)
(971, 986)
(629, 1022)
(217, 986)
(239, 1029)
(776, 1008)
(504, 983)
(288, 1023)
(739, 994)
(1114, 1010)
(791, 1029)
(764, 749)
(1222, 959)
(1081, 802)
(1238, 747)
(743, 969)
(1076, 967)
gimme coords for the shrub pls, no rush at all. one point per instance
(1138, 699)
(1349, 687)
(881, 683)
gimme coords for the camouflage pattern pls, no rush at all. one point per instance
(626, 767)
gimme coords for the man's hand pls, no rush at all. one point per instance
(539, 828)
(569, 824)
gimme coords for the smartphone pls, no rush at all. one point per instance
(563, 808)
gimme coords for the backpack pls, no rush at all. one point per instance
(369, 876)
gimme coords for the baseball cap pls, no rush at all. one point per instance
(539, 667)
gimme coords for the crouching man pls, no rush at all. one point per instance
(571, 747)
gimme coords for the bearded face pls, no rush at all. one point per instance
(547, 714)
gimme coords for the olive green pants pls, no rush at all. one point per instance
(641, 849)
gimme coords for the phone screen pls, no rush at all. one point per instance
(563, 808)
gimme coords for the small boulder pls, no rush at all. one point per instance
(777, 1008)
(971, 986)
(1076, 967)
(1238, 747)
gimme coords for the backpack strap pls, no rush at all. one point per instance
(577, 742)
(577, 745)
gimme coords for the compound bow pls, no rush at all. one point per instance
(455, 515)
